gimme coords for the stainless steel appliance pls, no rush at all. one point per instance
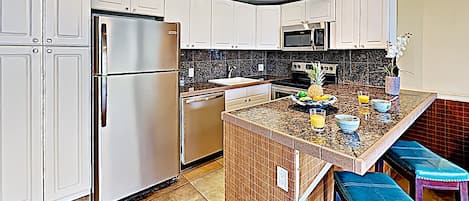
(135, 105)
(202, 130)
(306, 37)
(300, 80)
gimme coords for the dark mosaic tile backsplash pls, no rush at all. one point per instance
(357, 66)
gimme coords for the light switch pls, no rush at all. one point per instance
(191, 72)
(260, 67)
(282, 178)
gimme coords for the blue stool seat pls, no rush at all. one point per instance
(371, 187)
(425, 164)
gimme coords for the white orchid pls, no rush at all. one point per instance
(396, 51)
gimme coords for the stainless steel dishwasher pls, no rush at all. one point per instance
(202, 129)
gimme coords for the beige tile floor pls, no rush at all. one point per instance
(206, 183)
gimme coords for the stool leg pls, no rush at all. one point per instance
(418, 190)
(379, 165)
(463, 191)
(412, 188)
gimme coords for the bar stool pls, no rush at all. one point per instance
(425, 169)
(373, 186)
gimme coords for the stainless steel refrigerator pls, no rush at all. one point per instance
(135, 105)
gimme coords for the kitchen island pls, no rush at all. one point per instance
(261, 139)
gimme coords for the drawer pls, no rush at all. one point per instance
(236, 104)
(235, 94)
(258, 89)
(254, 100)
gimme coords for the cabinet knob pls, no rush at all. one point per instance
(232, 46)
(363, 46)
(35, 40)
(49, 40)
(49, 51)
(35, 50)
(187, 45)
(126, 8)
(355, 46)
(193, 46)
(134, 10)
(236, 46)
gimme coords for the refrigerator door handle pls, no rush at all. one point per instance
(104, 75)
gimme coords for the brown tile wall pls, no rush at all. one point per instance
(444, 128)
(251, 162)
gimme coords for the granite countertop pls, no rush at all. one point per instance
(290, 125)
(193, 89)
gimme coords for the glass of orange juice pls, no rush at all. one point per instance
(318, 119)
(363, 98)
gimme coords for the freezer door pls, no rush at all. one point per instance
(138, 146)
(130, 45)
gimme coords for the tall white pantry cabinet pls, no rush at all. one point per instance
(45, 103)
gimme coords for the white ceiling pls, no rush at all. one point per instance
(266, 2)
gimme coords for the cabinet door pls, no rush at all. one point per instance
(245, 26)
(222, 24)
(67, 23)
(20, 124)
(293, 13)
(201, 24)
(178, 11)
(20, 22)
(268, 27)
(111, 5)
(67, 118)
(320, 10)
(345, 31)
(148, 7)
(374, 26)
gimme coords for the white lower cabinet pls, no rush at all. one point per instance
(67, 132)
(51, 162)
(246, 96)
(20, 124)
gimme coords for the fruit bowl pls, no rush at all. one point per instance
(314, 103)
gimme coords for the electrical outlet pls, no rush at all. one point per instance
(260, 67)
(191, 72)
(282, 178)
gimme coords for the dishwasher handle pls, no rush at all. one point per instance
(203, 99)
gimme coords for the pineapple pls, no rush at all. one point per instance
(317, 80)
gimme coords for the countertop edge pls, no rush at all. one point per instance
(368, 158)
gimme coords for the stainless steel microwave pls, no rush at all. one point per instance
(306, 37)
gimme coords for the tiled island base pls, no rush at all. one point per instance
(251, 161)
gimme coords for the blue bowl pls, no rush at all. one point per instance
(347, 123)
(381, 105)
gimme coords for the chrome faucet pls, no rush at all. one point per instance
(230, 70)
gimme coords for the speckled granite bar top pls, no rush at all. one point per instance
(288, 124)
(193, 89)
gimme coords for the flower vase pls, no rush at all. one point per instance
(393, 85)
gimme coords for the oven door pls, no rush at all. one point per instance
(279, 91)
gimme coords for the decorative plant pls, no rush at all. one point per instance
(396, 51)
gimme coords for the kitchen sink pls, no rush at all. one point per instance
(233, 81)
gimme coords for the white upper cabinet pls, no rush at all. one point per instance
(142, 7)
(320, 10)
(148, 7)
(374, 29)
(268, 27)
(111, 5)
(222, 24)
(178, 11)
(67, 130)
(20, 120)
(200, 24)
(20, 22)
(362, 24)
(293, 13)
(345, 31)
(67, 23)
(245, 26)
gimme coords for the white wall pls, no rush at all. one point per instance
(438, 54)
